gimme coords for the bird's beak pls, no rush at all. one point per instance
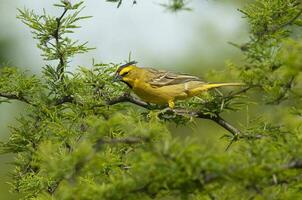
(117, 77)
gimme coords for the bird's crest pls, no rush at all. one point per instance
(125, 65)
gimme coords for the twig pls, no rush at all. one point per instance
(226, 125)
(15, 97)
(60, 68)
(291, 21)
(53, 187)
(243, 90)
(276, 28)
(287, 87)
(65, 99)
(295, 164)
(243, 47)
(128, 98)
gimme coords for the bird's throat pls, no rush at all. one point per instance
(128, 84)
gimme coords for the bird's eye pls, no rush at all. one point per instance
(124, 74)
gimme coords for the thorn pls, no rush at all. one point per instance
(234, 139)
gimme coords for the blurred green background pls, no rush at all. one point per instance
(192, 42)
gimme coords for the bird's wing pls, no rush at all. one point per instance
(163, 78)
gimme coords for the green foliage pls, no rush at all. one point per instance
(271, 23)
(15, 84)
(74, 143)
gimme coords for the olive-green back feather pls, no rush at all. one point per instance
(161, 78)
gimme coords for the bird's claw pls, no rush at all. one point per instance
(166, 110)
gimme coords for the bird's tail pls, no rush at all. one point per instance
(208, 86)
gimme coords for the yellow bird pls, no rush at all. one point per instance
(161, 87)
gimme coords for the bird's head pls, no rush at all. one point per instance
(126, 73)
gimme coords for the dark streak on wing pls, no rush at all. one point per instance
(164, 78)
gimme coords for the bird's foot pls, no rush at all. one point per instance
(166, 112)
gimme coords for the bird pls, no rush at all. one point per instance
(161, 86)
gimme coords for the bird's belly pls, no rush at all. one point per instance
(151, 95)
(160, 95)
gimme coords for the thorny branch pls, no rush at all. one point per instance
(61, 65)
(243, 90)
(65, 99)
(128, 98)
(294, 164)
(182, 112)
(15, 97)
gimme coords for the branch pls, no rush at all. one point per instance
(60, 68)
(291, 21)
(15, 97)
(128, 98)
(65, 99)
(216, 118)
(295, 164)
(243, 90)
(182, 112)
(243, 47)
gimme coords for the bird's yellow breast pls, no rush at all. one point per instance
(159, 95)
